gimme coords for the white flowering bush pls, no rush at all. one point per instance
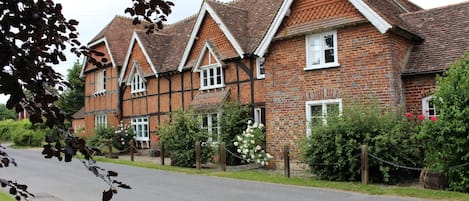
(251, 144)
(123, 134)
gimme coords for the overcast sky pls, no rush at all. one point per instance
(93, 15)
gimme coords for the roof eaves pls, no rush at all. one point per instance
(203, 10)
(264, 44)
(379, 22)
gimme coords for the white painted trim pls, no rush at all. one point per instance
(107, 47)
(321, 62)
(258, 68)
(426, 106)
(382, 25)
(203, 10)
(129, 53)
(102, 40)
(201, 57)
(319, 102)
(284, 9)
(226, 31)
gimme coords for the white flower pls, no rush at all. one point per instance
(239, 138)
(269, 156)
(239, 150)
(252, 141)
(249, 122)
(262, 163)
(245, 151)
(236, 143)
(261, 126)
(258, 147)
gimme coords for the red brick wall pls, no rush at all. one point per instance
(415, 88)
(106, 104)
(366, 73)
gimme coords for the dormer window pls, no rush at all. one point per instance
(210, 69)
(138, 84)
(211, 76)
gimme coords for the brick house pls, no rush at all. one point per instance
(291, 61)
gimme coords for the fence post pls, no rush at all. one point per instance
(222, 157)
(197, 155)
(364, 165)
(162, 154)
(109, 144)
(132, 141)
(286, 160)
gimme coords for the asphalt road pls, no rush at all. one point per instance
(51, 180)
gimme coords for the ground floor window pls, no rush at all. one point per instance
(259, 116)
(428, 107)
(140, 126)
(211, 123)
(100, 121)
(318, 111)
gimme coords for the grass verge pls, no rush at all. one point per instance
(264, 176)
(6, 197)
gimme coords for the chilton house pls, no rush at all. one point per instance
(291, 61)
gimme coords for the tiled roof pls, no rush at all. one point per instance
(235, 18)
(204, 101)
(180, 33)
(80, 114)
(391, 10)
(118, 34)
(446, 37)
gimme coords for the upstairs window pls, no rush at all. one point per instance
(138, 84)
(211, 76)
(317, 112)
(260, 67)
(321, 51)
(100, 82)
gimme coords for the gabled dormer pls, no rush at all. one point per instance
(210, 68)
(136, 80)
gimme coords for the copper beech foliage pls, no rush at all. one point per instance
(34, 35)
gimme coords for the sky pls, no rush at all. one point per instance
(94, 15)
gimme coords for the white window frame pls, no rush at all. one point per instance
(138, 84)
(322, 63)
(100, 82)
(100, 121)
(258, 115)
(210, 127)
(426, 107)
(324, 104)
(260, 61)
(209, 85)
(137, 124)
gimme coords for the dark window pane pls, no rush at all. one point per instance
(329, 55)
(316, 110)
(205, 121)
(329, 41)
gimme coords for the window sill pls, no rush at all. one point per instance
(322, 66)
(139, 93)
(212, 87)
(261, 77)
(100, 93)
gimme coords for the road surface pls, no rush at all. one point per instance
(51, 180)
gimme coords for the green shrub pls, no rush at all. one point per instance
(233, 123)
(22, 133)
(447, 141)
(27, 137)
(179, 138)
(101, 137)
(332, 151)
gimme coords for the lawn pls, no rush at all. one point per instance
(266, 176)
(5, 196)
